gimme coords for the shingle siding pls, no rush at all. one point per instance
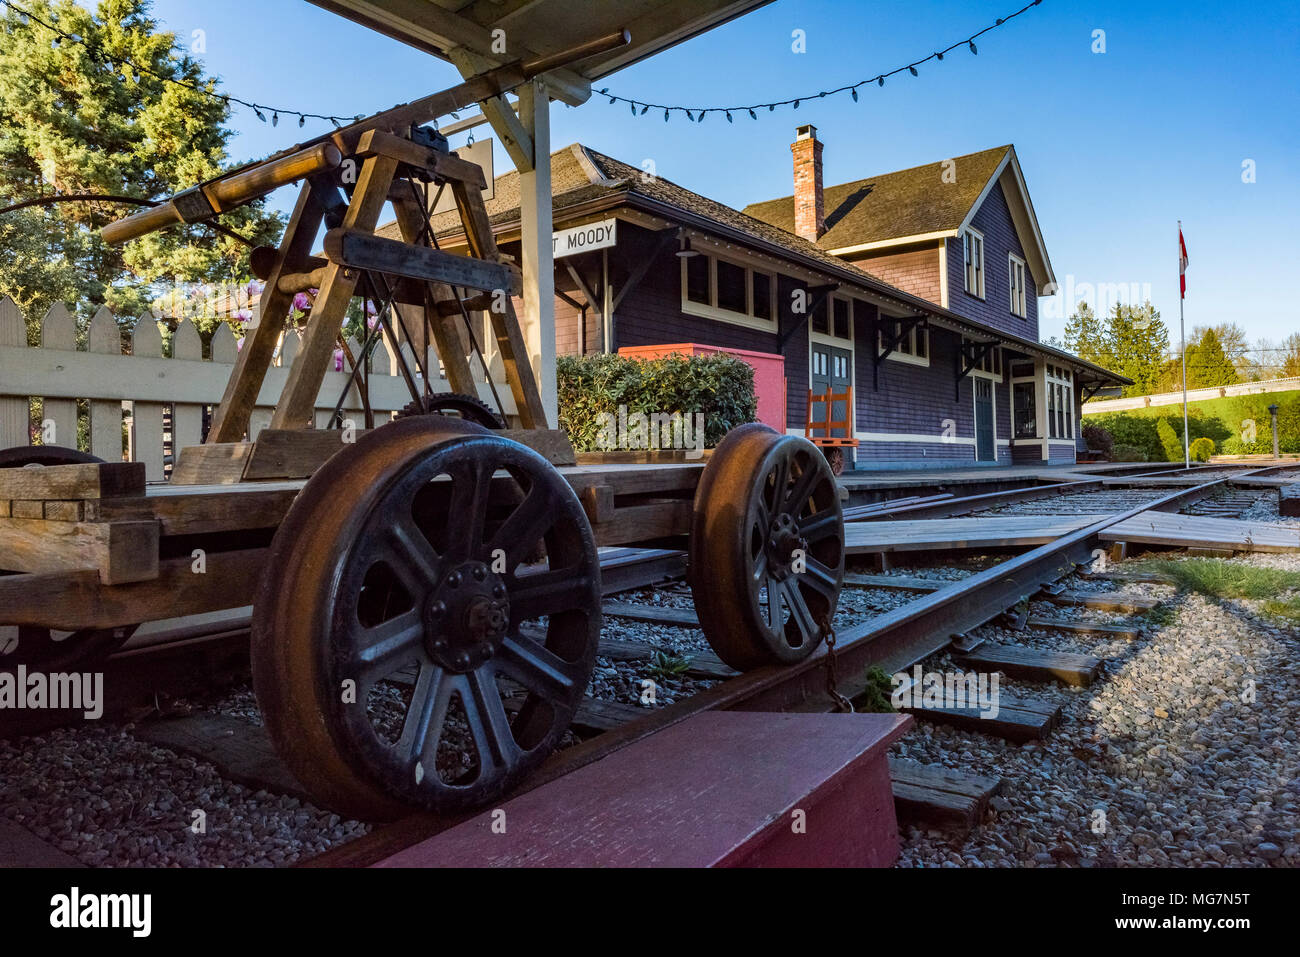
(915, 270)
(993, 219)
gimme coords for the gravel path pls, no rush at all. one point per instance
(1161, 763)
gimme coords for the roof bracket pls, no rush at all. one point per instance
(903, 326)
(817, 296)
(974, 353)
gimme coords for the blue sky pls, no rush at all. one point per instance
(1115, 146)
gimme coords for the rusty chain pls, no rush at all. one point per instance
(842, 704)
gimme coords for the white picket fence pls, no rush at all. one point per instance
(142, 384)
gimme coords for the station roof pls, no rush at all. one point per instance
(541, 27)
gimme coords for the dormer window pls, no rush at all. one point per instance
(973, 256)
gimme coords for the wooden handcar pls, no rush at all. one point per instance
(426, 593)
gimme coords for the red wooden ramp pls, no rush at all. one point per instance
(720, 789)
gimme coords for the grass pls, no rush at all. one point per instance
(664, 665)
(875, 698)
(1217, 578)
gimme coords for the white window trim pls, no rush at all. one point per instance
(712, 310)
(1048, 381)
(981, 270)
(1000, 362)
(896, 356)
(1014, 261)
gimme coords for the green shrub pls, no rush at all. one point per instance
(592, 388)
(1098, 438)
(1128, 453)
(1202, 449)
(1170, 445)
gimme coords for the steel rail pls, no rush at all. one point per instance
(894, 641)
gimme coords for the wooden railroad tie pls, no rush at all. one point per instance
(935, 795)
(1019, 719)
(1035, 664)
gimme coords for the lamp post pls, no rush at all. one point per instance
(1272, 411)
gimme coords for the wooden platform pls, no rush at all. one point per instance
(999, 531)
(699, 794)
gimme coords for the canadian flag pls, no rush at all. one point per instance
(1182, 265)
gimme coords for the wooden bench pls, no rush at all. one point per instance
(720, 789)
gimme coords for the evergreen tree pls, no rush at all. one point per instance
(1087, 337)
(77, 118)
(1207, 364)
(1140, 342)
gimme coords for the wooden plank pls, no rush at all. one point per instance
(187, 417)
(1034, 664)
(553, 444)
(15, 413)
(639, 567)
(231, 420)
(639, 523)
(70, 600)
(240, 750)
(932, 794)
(27, 509)
(1103, 601)
(510, 337)
(64, 511)
(103, 337)
(119, 551)
(220, 463)
(58, 416)
(361, 250)
(1288, 501)
(652, 614)
(203, 509)
(1194, 531)
(1121, 575)
(959, 533)
(293, 453)
(69, 482)
(1018, 719)
(147, 417)
(1080, 626)
(596, 715)
(298, 400)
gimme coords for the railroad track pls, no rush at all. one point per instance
(912, 632)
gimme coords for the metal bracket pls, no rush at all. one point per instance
(193, 205)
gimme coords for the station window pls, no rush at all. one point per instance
(718, 288)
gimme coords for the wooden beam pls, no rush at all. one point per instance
(119, 552)
(362, 250)
(230, 422)
(297, 405)
(537, 228)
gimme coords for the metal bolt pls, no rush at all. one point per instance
(438, 608)
(454, 579)
(498, 590)
(479, 573)
(439, 644)
(462, 659)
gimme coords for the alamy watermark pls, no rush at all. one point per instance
(640, 431)
(21, 690)
(972, 690)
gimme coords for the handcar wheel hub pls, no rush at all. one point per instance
(783, 542)
(466, 617)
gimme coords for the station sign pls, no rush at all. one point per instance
(582, 239)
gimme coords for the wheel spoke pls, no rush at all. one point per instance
(537, 668)
(547, 593)
(760, 566)
(801, 489)
(782, 478)
(466, 513)
(415, 561)
(378, 651)
(820, 578)
(488, 722)
(422, 728)
(800, 615)
(774, 620)
(819, 526)
(526, 526)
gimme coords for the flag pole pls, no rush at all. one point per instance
(1182, 332)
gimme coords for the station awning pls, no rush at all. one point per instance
(539, 27)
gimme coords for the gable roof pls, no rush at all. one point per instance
(584, 182)
(909, 203)
(927, 202)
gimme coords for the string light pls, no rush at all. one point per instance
(119, 66)
(697, 113)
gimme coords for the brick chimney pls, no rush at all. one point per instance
(809, 207)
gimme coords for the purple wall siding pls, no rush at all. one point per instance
(1060, 453)
(874, 454)
(993, 219)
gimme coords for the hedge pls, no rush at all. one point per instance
(593, 388)
(1225, 421)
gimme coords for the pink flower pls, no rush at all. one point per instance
(239, 343)
(243, 315)
(372, 322)
(338, 360)
(302, 302)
